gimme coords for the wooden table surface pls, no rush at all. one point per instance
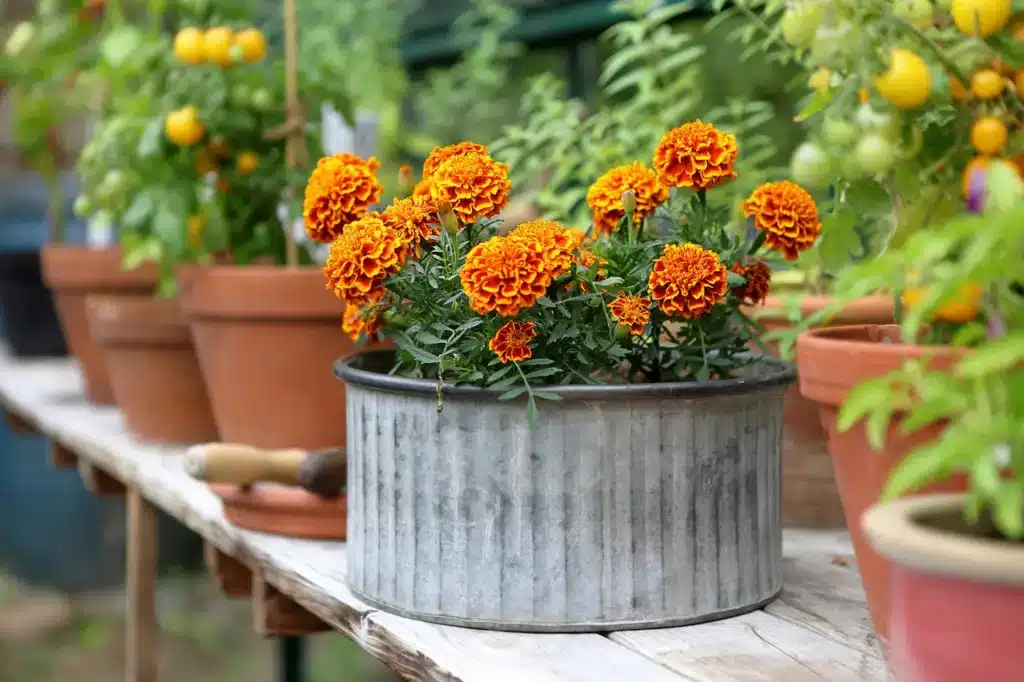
(817, 630)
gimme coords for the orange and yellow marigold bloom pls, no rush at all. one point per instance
(758, 282)
(340, 189)
(631, 311)
(475, 185)
(416, 220)
(511, 342)
(357, 321)
(605, 196)
(787, 214)
(442, 154)
(696, 155)
(504, 275)
(687, 280)
(362, 258)
(554, 242)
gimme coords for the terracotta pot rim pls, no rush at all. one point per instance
(876, 308)
(94, 269)
(119, 320)
(352, 370)
(895, 530)
(258, 292)
(870, 338)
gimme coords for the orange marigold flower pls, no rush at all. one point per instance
(416, 220)
(442, 154)
(787, 214)
(687, 280)
(340, 189)
(475, 185)
(696, 155)
(605, 196)
(511, 342)
(421, 192)
(555, 243)
(504, 275)
(357, 321)
(631, 311)
(759, 281)
(362, 257)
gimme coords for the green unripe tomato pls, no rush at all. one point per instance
(800, 22)
(82, 206)
(917, 12)
(240, 96)
(875, 154)
(838, 132)
(850, 168)
(621, 332)
(832, 43)
(262, 100)
(20, 38)
(882, 122)
(811, 166)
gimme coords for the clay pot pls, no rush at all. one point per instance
(153, 367)
(266, 338)
(284, 510)
(72, 272)
(957, 593)
(810, 498)
(831, 362)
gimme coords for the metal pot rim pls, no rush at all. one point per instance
(347, 369)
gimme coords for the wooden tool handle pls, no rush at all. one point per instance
(243, 465)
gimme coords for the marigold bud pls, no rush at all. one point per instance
(406, 182)
(447, 216)
(629, 203)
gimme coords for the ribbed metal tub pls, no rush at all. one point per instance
(627, 507)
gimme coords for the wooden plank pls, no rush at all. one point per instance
(142, 627)
(787, 638)
(61, 457)
(15, 422)
(276, 615)
(99, 482)
(232, 576)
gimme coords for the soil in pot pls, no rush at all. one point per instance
(73, 272)
(831, 362)
(957, 593)
(283, 510)
(30, 318)
(153, 368)
(627, 506)
(266, 337)
(810, 496)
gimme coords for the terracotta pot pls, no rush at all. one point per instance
(810, 498)
(957, 593)
(153, 368)
(266, 337)
(831, 362)
(72, 272)
(284, 510)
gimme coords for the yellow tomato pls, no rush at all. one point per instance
(252, 44)
(957, 90)
(820, 79)
(217, 45)
(188, 46)
(981, 17)
(989, 135)
(863, 95)
(987, 84)
(196, 224)
(907, 83)
(963, 306)
(247, 162)
(183, 127)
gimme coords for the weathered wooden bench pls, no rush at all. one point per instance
(817, 630)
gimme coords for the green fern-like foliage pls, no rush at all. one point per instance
(652, 81)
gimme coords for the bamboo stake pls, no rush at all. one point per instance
(295, 144)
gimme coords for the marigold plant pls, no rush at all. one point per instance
(653, 291)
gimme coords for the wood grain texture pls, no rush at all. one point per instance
(613, 513)
(313, 573)
(142, 631)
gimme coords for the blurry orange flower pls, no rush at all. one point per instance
(696, 155)
(759, 281)
(605, 196)
(475, 185)
(362, 257)
(687, 280)
(357, 321)
(588, 260)
(416, 220)
(421, 192)
(631, 311)
(554, 243)
(442, 154)
(340, 189)
(511, 342)
(503, 275)
(786, 212)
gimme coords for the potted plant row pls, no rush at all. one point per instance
(942, 146)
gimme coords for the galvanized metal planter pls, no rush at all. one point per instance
(636, 506)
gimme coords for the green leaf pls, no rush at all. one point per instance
(500, 373)
(985, 475)
(819, 102)
(547, 395)
(429, 339)
(1009, 509)
(138, 212)
(994, 357)
(862, 400)
(921, 467)
(512, 393)
(544, 372)
(538, 361)
(120, 43)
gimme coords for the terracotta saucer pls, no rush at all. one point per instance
(284, 510)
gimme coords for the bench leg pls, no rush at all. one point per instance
(142, 623)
